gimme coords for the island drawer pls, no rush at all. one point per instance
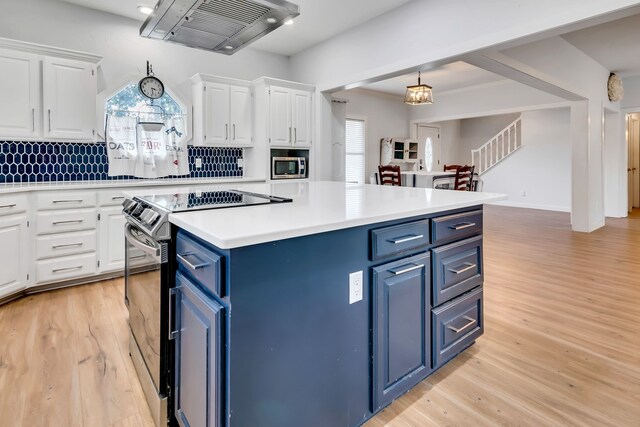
(456, 325)
(457, 226)
(200, 263)
(457, 268)
(399, 238)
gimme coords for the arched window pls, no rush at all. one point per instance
(129, 101)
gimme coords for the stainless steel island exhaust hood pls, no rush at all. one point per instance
(223, 26)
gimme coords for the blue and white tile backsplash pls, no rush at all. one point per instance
(70, 161)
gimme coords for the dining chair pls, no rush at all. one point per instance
(389, 175)
(464, 178)
(451, 168)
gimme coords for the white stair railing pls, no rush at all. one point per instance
(498, 148)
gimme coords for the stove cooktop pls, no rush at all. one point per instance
(192, 201)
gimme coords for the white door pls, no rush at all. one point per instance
(430, 150)
(301, 118)
(216, 113)
(69, 98)
(634, 161)
(240, 115)
(19, 94)
(111, 235)
(280, 131)
(14, 254)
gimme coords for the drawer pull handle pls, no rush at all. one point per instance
(407, 269)
(71, 221)
(68, 201)
(13, 205)
(70, 245)
(137, 257)
(470, 322)
(405, 239)
(60, 270)
(467, 266)
(462, 225)
(118, 198)
(190, 265)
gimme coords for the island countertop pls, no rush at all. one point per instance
(317, 207)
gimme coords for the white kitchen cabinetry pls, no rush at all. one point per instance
(47, 93)
(20, 94)
(111, 231)
(290, 117)
(66, 235)
(14, 244)
(69, 99)
(222, 112)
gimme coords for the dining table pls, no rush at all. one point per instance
(423, 178)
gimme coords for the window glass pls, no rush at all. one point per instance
(130, 101)
(428, 154)
(355, 141)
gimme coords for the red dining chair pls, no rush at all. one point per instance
(390, 175)
(464, 178)
(451, 168)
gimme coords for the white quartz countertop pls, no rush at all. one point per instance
(318, 207)
(124, 183)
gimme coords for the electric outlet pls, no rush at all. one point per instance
(355, 287)
(523, 193)
(240, 162)
(198, 163)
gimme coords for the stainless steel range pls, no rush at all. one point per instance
(149, 277)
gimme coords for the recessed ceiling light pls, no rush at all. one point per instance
(228, 47)
(145, 10)
(272, 20)
(288, 22)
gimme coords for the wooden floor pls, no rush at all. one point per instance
(561, 344)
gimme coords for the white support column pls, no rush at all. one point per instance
(587, 195)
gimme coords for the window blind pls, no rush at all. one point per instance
(354, 148)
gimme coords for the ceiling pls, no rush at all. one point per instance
(319, 20)
(615, 45)
(455, 75)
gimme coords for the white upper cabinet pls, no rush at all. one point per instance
(290, 117)
(69, 99)
(281, 130)
(19, 94)
(46, 93)
(222, 112)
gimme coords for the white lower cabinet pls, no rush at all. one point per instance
(63, 268)
(111, 232)
(14, 253)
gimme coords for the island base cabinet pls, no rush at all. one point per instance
(402, 345)
(199, 324)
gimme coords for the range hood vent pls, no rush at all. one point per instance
(223, 26)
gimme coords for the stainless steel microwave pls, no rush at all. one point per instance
(288, 167)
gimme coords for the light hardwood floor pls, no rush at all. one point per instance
(561, 344)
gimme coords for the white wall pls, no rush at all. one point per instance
(631, 93)
(386, 117)
(60, 24)
(541, 168)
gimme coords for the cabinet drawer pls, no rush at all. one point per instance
(55, 245)
(454, 227)
(110, 198)
(200, 263)
(13, 203)
(56, 269)
(62, 221)
(65, 200)
(456, 325)
(457, 268)
(399, 238)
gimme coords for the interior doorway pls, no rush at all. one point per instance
(429, 144)
(633, 166)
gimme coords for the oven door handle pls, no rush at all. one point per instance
(138, 244)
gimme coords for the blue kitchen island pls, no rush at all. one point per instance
(274, 326)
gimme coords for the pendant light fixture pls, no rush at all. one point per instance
(418, 94)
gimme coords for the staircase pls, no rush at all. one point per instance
(498, 148)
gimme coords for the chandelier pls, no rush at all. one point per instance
(418, 94)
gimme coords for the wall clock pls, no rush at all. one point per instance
(151, 86)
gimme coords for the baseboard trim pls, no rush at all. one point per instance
(532, 206)
(60, 285)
